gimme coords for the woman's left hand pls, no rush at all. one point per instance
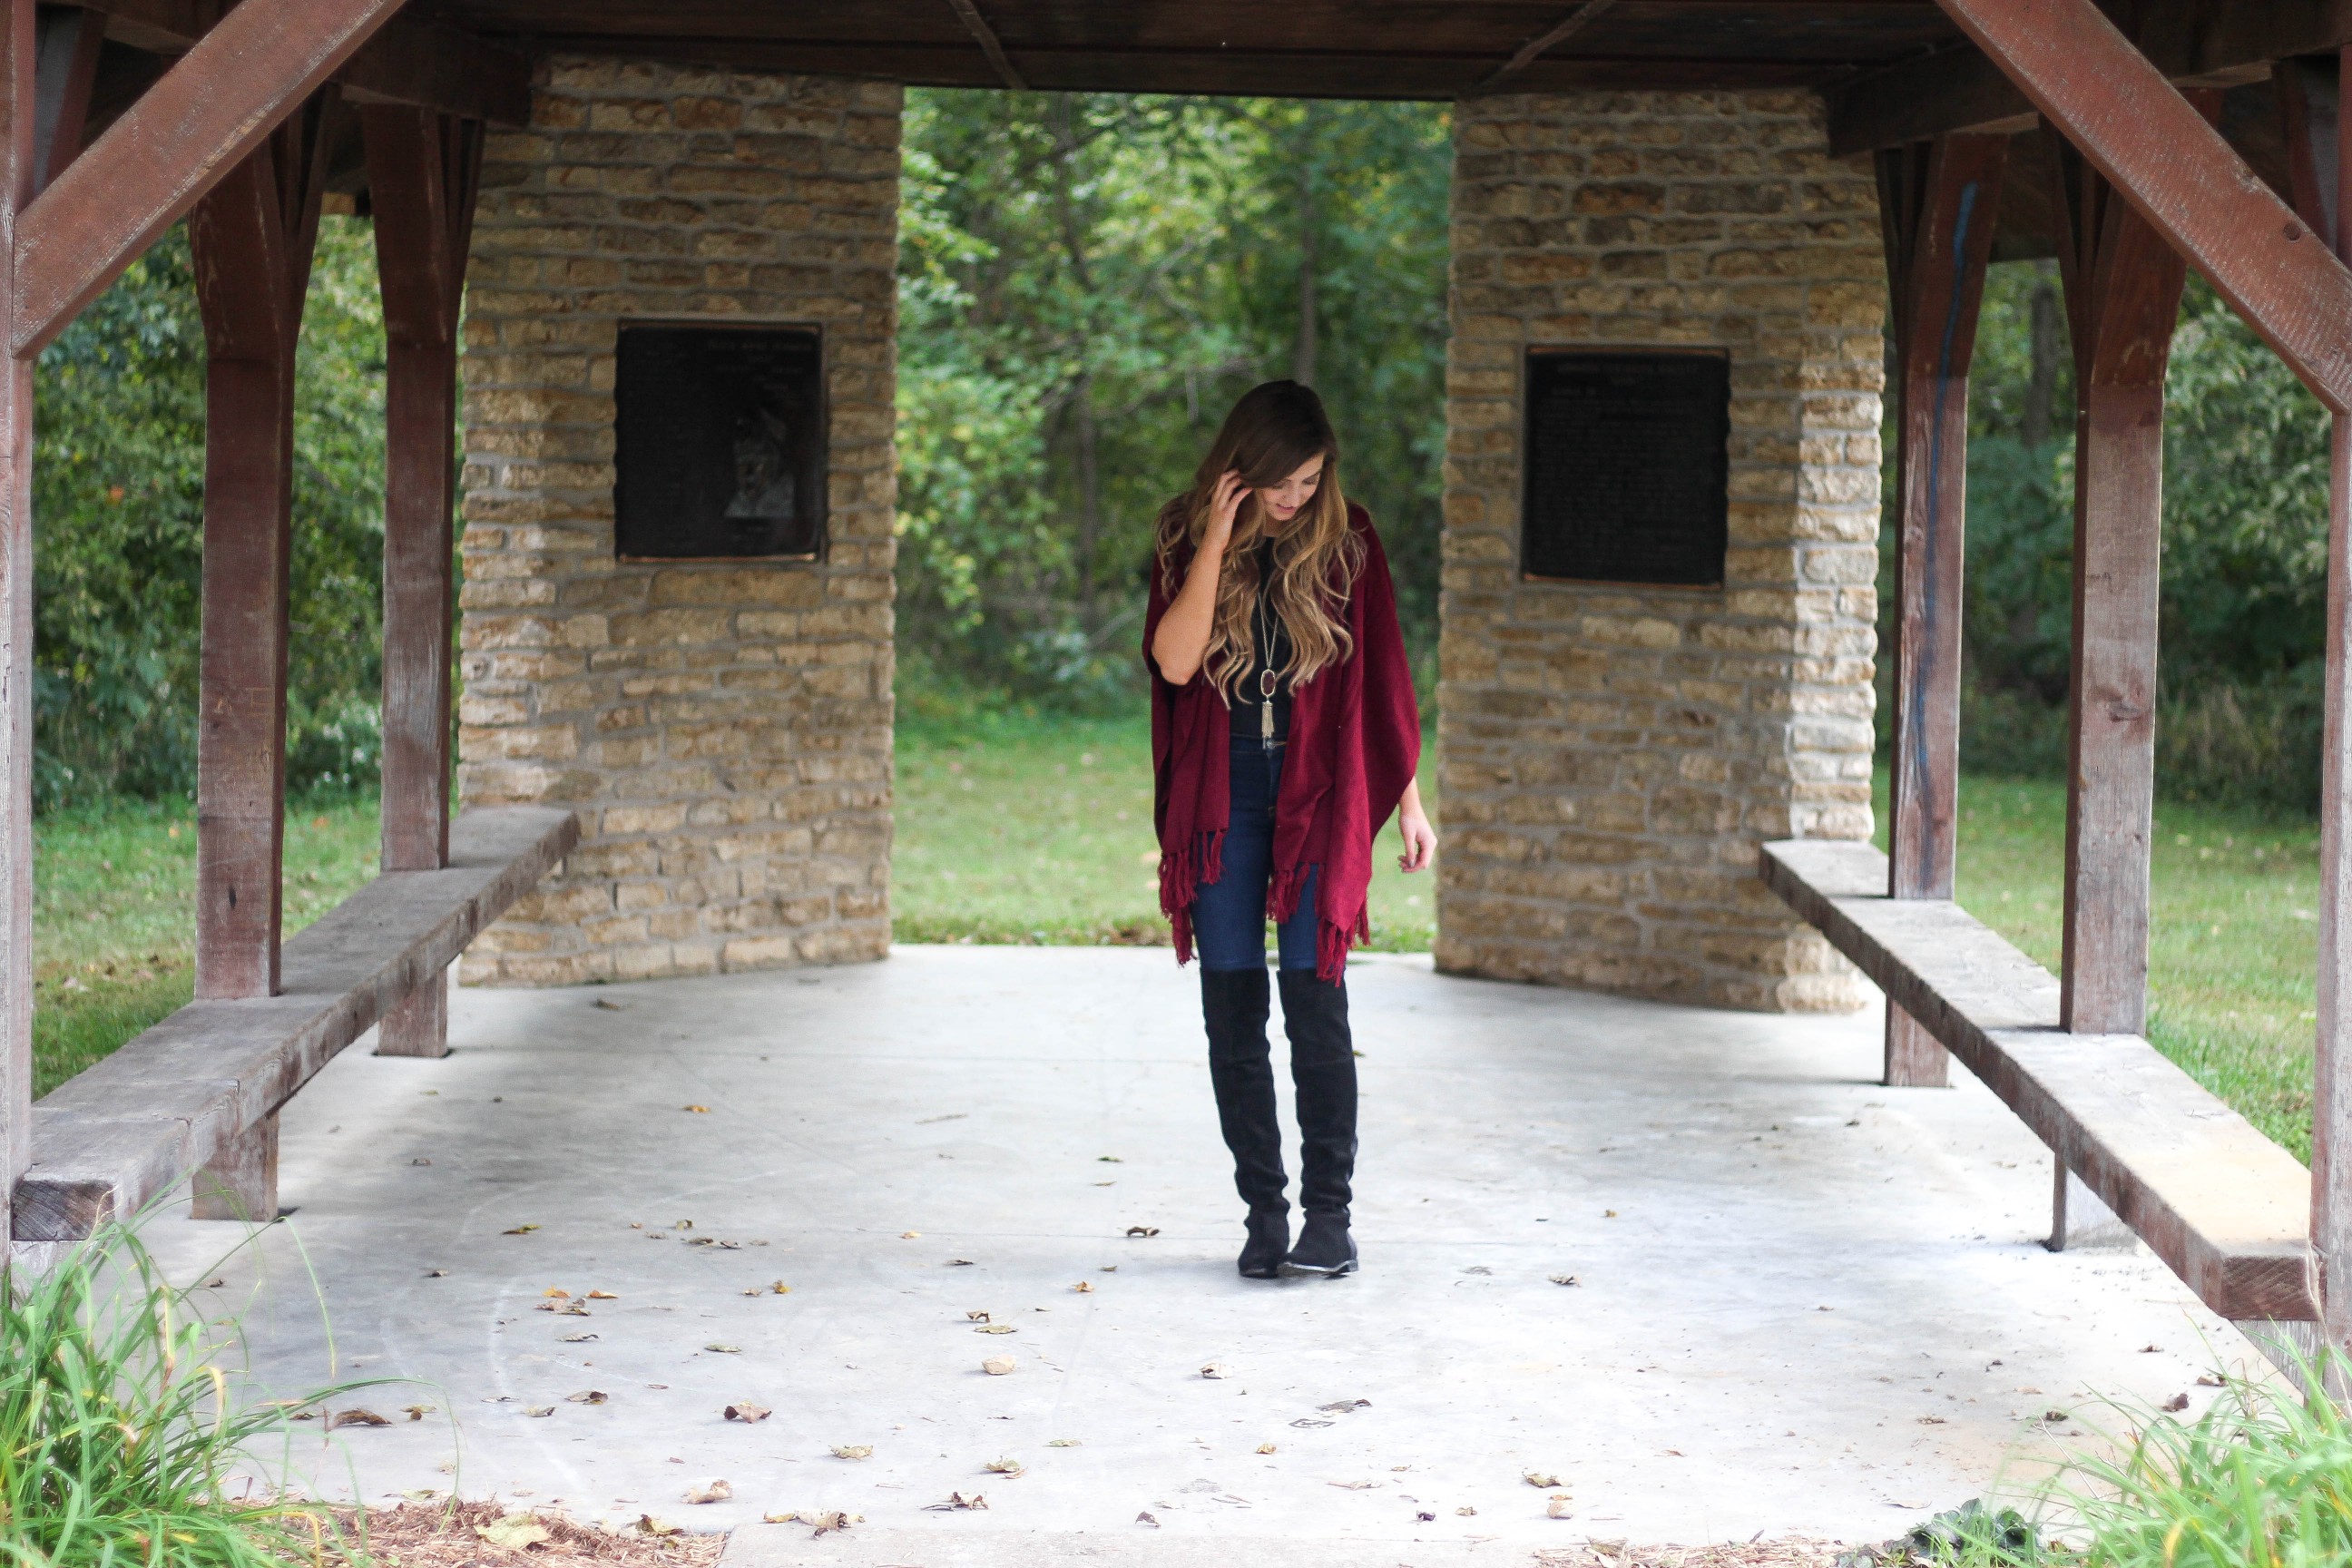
(1419, 838)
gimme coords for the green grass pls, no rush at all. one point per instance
(2232, 955)
(1039, 830)
(114, 922)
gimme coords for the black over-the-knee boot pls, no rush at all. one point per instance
(1323, 1068)
(1234, 1005)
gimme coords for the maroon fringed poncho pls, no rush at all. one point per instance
(1354, 742)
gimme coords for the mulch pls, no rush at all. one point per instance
(449, 1535)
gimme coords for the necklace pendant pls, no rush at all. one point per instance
(1265, 721)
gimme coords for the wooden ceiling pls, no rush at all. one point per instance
(1313, 49)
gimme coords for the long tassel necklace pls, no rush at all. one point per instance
(1265, 676)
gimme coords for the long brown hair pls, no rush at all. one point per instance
(1276, 428)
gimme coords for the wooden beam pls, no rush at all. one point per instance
(2219, 43)
(423, 172)
(250, 239)
(1534, 49)
(155, 162)
(71, 38)
(1937, 203)
(2165, 158)
(2319, 154)
(989, 45)
(2123, 299)
(17, 107)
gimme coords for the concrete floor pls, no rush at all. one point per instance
(1805, 1304)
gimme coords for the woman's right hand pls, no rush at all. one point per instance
(1224, 506)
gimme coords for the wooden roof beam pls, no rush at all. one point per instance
(2167, 161)
(2192, 43)
(410, 61)
(182, 138)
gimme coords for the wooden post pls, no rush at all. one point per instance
(2312, 93)
(423, 169)
(250, 239)
(241, 1183)
(2123, 283)
(1936, 202)
(16, 179)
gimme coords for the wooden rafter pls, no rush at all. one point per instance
(2166, 159)
(2219, 43)
(989, 45)
(69, 40)
(151, 165)
(1535, 48)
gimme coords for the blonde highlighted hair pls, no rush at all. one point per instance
(1276, 428)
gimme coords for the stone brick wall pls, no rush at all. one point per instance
(1613, 756)
(723, 729)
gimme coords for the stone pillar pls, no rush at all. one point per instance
(723, 729)
(1613, 754)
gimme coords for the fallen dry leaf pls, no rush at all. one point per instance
(417, 1412)
(854, 1451)
(602, 1296)
(1353, 1486)
(355, 1416)
(1538, 1479)
(958, 1500)
(977, 1317)
(996, 1329)
(1062, 1443)
(1084, 1287)
(437, 1274)
(1008, 1468)
(609, 1006)
(1560, 1506)
(998, 1366)
(697, 1109)
(910, 1236)
(556, 1290)
(779, 1287)
(2178, 1402)
(745, 1411)
(2208, 1380)
(1143, 1230)
(2150, 1350)
(1564, 1279)
(520, 1230)
(1466, 1511)
(724, 1349)
(1265, 1447)
(1340, 1406)
(652, 1526)
(420, 1494)
(584, 1337)
(710, 1489)
(958, 1263)
(516, 1532)
(1147, 1519)
(539, 1410)
(588, 1396)
(1216, 1371)
(832, 1519)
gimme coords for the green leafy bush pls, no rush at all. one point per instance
(117, 1433)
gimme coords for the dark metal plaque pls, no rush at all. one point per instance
(1627, 464)
(722, 446)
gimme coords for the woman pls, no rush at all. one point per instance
(1283, 734)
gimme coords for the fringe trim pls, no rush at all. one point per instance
(1282, 890)
(1332, 943)
(1182, 872)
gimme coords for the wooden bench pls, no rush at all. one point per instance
(200, 1091)
(2227, 1209)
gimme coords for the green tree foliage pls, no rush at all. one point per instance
(2244, 563)
(1086, 282)
(118, 508)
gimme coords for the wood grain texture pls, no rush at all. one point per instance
(419, 1024)
(2222, 1205)
(71, 38)
(182, 137)
(2123, 287)
(18, 46)
(250, 240)
(130, 1126)
(239, 1183)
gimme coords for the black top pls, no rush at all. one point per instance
(1270, 656)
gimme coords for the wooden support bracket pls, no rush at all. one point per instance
(1936, 202)
(2165, 158)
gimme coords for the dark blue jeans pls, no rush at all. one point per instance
(1229, 914)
